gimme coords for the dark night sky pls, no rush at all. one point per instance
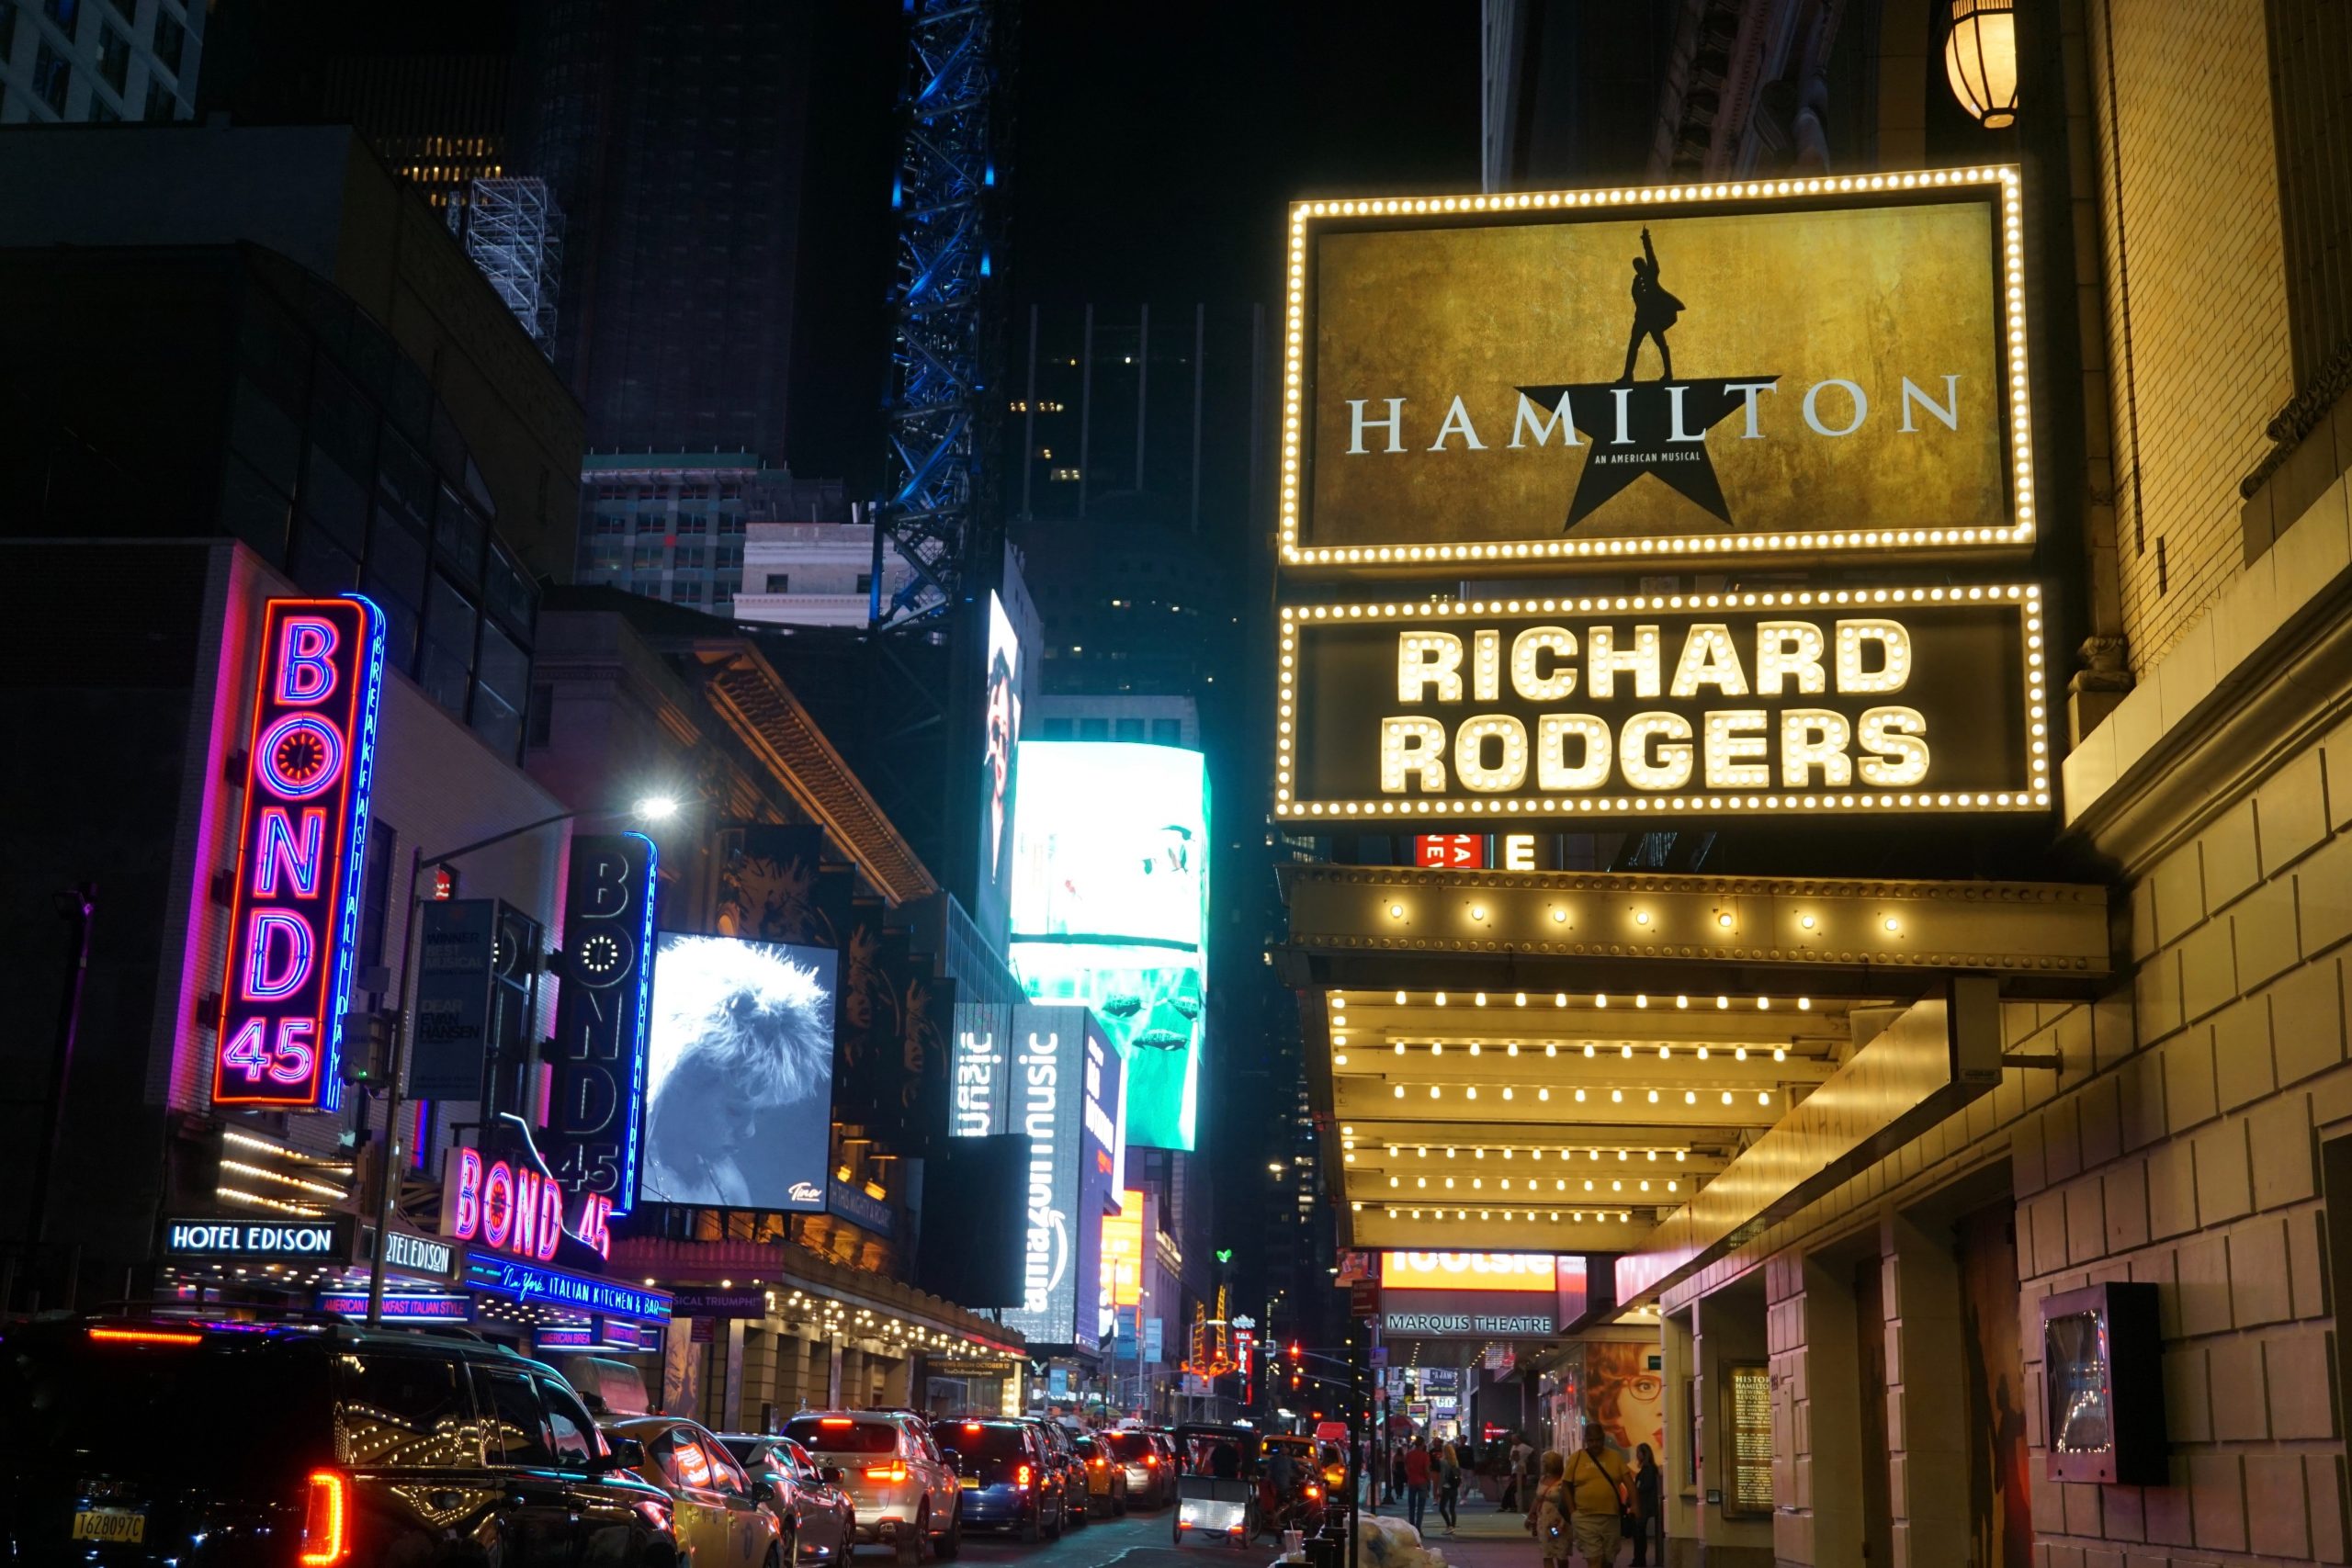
(1157, 145)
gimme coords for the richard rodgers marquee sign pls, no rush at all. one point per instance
(1861, 701)
(1777, 369)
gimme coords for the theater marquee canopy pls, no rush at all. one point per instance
(1885, 701)
(1770, 369)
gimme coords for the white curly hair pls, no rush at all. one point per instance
(762, 1022)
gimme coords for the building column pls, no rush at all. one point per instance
(1926, 1414)
(1678, 1367)
(1816, 1417)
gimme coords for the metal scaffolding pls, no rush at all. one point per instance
(938, 510)
(515, 234)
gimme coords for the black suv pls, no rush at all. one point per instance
(153, 1442)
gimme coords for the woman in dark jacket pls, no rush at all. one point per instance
(1646, 1503)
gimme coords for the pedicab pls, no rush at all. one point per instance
(1217, 1482)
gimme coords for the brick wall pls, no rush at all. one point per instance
(2196, 292)
(2194, 1164)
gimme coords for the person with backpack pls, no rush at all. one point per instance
(1599, 1491)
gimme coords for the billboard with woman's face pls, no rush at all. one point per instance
(739, 1073)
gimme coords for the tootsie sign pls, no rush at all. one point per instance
(1865, 701)
(1773, 369)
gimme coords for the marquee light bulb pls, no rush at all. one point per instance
(1805, 1004)
(1617, 1096)
(1663, 1054)
(1440, 999)
(1560, 1000)
(1396, 912)
(1601, 1000)
(1763, 1004)
(1625, 1051)
(1739, 1052)
(1679, 1156)
(1579, 1097)
(1641, 998)
(1552, 1048)
(1520, 1000)
(1779, 1053)
(1763, 1097)
(1723, 921)
(1690, 1096)
(1400, 998)
(1641, 917)
(1683, 1001)
(1673, 1186)
(1653, 1097)
(1722, 1002)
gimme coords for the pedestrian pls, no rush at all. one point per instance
(1416, 1482)
(1449, 1483)
(1547, 1514)
(1645, 1503)
(1514, 1470)
(1598, 1492)
(1396, 1472)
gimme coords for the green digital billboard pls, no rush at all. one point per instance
(1110, 910)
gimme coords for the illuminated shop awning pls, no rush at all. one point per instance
(1570, 1062)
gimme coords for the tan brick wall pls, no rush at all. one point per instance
(2178, 1143)
(2202, 352)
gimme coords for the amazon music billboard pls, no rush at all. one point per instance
(1733, 373)
(1864, 701)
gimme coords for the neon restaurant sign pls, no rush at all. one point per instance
(295, 917)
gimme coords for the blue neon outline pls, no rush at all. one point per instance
(644, 1001)
(367, 708)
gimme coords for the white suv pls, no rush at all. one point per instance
(904, 1493)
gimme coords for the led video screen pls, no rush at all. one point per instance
(739, 1073)
(1109, 909)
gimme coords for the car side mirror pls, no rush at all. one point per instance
(831, 1475)
(763, 1489)
(628, 1453)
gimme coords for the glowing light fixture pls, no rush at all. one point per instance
(1981, 59)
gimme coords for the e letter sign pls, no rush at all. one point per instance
(296, 913)
(1880, 701)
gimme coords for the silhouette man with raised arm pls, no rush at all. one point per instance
(1654, 313)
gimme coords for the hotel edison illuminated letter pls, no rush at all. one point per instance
(306, 771)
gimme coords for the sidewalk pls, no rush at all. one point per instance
(1485, 1538)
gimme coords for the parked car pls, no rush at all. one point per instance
(1151, 1480)
(211, 1445)
(1106, 1479)
(718, 1519)
(904, 1493)
(1009, 1477)
(1056, 1438)
(818, 1518)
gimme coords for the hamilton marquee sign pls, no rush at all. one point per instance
(1775, 369)
(1880, 701)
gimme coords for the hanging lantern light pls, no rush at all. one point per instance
(1981, 58)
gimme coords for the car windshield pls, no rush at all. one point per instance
(982, 1441)
(67, 1398)
(843, 1435)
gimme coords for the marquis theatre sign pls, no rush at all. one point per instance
(1867, 701)
(1771, 369)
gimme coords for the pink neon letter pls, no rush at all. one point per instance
(304, 674)
(550, 1220)
(468, 1219)
(271, 975)
(498, 1205)
(280, 849)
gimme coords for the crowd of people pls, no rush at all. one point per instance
(1584, 1504)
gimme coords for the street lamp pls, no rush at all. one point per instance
(647, 809)
(1981, 59)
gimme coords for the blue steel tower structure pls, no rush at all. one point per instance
(939, 510)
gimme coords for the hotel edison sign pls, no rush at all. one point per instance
(1773, 371)
(1886, 701)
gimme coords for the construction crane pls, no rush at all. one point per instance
(938, 510)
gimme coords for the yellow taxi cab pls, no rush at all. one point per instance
(719, 1523)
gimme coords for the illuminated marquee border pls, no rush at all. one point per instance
(1454, 809)
(325, 1088)
(1691, 548)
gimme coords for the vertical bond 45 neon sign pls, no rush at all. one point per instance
(296, 914)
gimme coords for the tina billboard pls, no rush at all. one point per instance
(1754, 370)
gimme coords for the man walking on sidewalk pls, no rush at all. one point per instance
(1416, 1482)
(1596, 1483)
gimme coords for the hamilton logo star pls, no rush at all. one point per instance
(1649, 427)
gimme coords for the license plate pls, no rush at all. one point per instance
(109, 1524)
(971, 1483)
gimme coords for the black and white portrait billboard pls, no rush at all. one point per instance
(740, 1074)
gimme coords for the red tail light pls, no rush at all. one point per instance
(1151, 1461)
(1020, 1477)
(971, 1425)
(835, 1421)
(326, 1522)
(1313, 1493)
(144, 1337)
(886, 1472)
(1098, 1464)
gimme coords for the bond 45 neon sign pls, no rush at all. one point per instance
(295, 917)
